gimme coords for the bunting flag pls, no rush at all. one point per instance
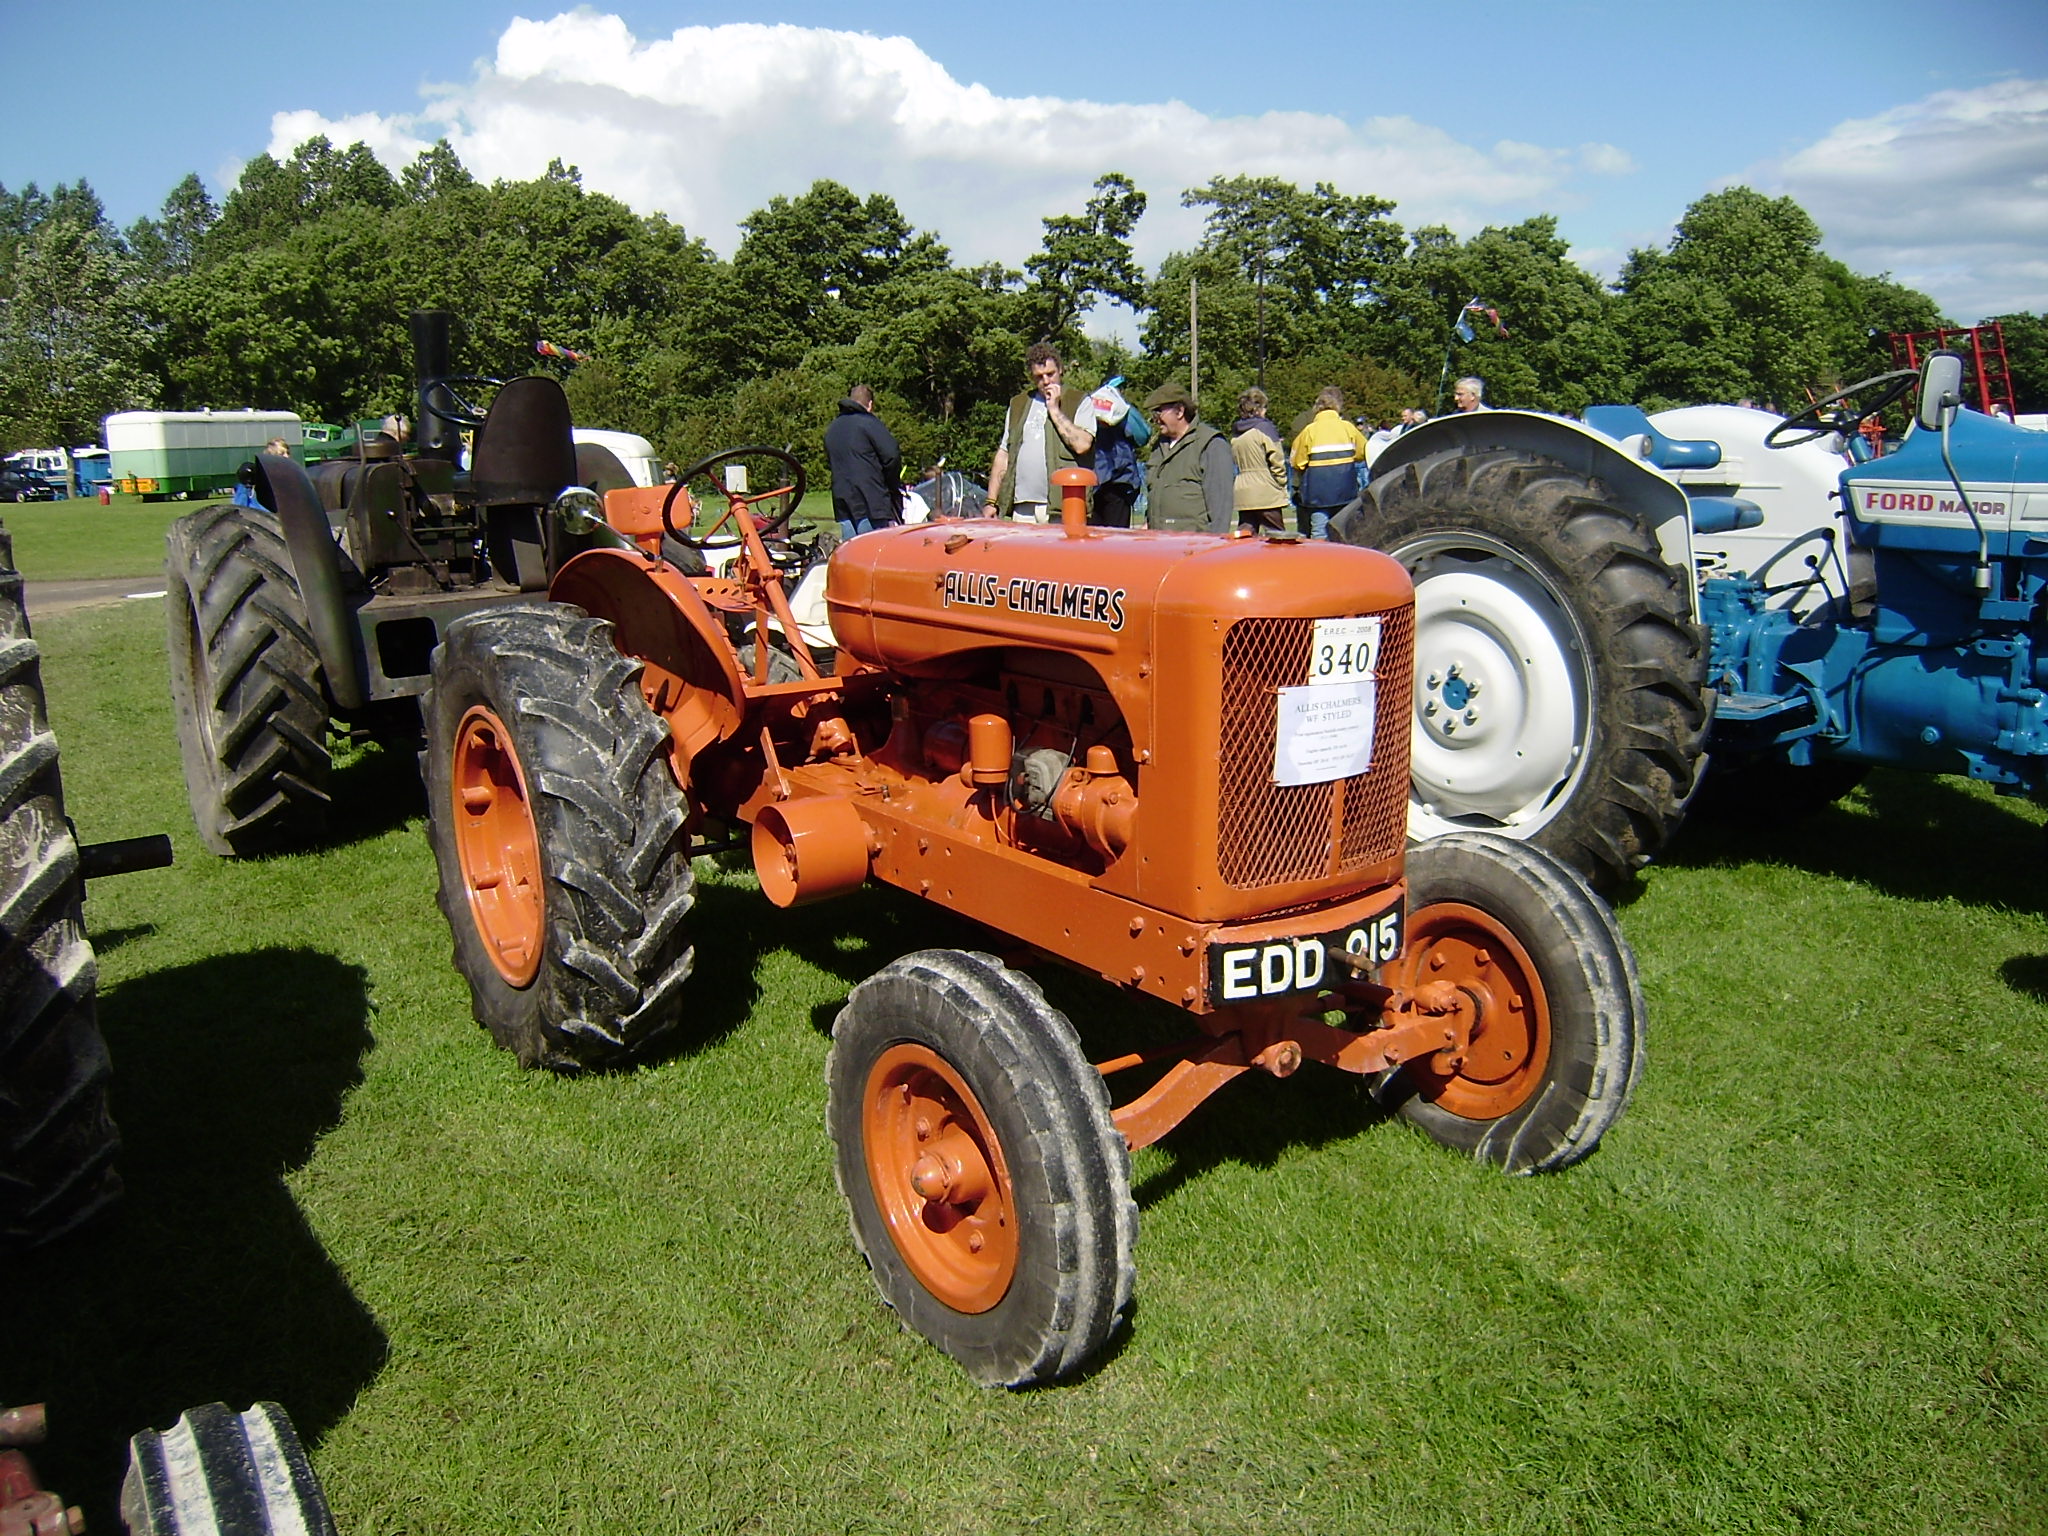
(549, 349)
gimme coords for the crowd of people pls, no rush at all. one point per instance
(1162, 457)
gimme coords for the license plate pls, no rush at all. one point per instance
(1277, 967)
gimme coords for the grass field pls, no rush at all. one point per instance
(1802, 1287)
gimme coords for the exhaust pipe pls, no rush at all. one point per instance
(431, 328)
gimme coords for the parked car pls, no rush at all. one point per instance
(24, 485)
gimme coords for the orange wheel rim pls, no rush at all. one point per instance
(939, 1178)
(1509, 1049)
(497, 846)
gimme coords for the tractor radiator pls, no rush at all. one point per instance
(1272, 834)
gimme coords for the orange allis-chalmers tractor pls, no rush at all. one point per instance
(1174, 760)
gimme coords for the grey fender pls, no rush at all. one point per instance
(284, 487)
(1634, 484)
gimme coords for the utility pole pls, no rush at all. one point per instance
(1194, 341)
(1259, 278)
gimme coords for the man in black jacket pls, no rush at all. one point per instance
(866, 465)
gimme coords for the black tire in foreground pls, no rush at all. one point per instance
(220, 1473)
(1560, 677)
(557, 828)
(246, 683)
(57, 1142)
(987, 1185)
(1557, 1032)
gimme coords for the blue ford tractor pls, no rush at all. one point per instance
(1602, 605)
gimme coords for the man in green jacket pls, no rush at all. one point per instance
(1193, 473)
(1039, 438)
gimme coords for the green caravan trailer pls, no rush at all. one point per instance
(180, 453)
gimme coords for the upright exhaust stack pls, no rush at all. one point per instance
(436, 438)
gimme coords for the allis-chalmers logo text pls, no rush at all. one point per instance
(1925, 501)
(1054, 599)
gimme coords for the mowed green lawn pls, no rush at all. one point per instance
(1802, 1287)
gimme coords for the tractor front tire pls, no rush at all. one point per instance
(557, 827)
(1556, 1039)
(57, 1142)
(246, 684)
(1560, 679)
(987, 1184)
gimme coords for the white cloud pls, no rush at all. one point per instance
(387, 137)
(1949, 194)
(708, 123)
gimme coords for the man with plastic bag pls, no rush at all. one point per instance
(1119, 433)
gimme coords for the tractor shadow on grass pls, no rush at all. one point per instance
(2027, 974)
(735, 927)
(1255, 1119)
(205, 1283)
(378, 791)
(1919, 836)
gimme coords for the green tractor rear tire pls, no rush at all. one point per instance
(247, 684)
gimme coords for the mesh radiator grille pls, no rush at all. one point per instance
(1272, 834)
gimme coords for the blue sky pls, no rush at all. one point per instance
(1917, 135)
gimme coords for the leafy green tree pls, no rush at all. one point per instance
(71, 334)
(1561, 350)
(271, 198)
(1736, 307)
(1313, 260)
(1863, 313)
(256, 331)
(808, 270)
(1225, 312)
(170, 242)
(435, 171)
(1087, 255)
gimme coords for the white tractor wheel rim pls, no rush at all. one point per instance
(1502, 691)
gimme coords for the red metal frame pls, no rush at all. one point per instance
(1983, 345)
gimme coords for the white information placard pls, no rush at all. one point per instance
(1324, 731)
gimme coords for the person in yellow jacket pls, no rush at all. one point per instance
(1326, 459)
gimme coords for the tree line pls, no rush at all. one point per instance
(294, 291)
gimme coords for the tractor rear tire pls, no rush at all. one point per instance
(557, 827)
(246, 683)
(1557, 1037)
(57, 1141)
(1560, 677)
(987, 1185)
(782, 666)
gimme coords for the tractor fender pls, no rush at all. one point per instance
(283, 486)
(1640, 487)
(691, 674)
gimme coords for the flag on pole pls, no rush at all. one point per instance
(1478, 307)
(549, 349)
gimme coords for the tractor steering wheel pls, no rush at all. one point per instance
(458, 410)
(793, 488)
(1814, 421)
